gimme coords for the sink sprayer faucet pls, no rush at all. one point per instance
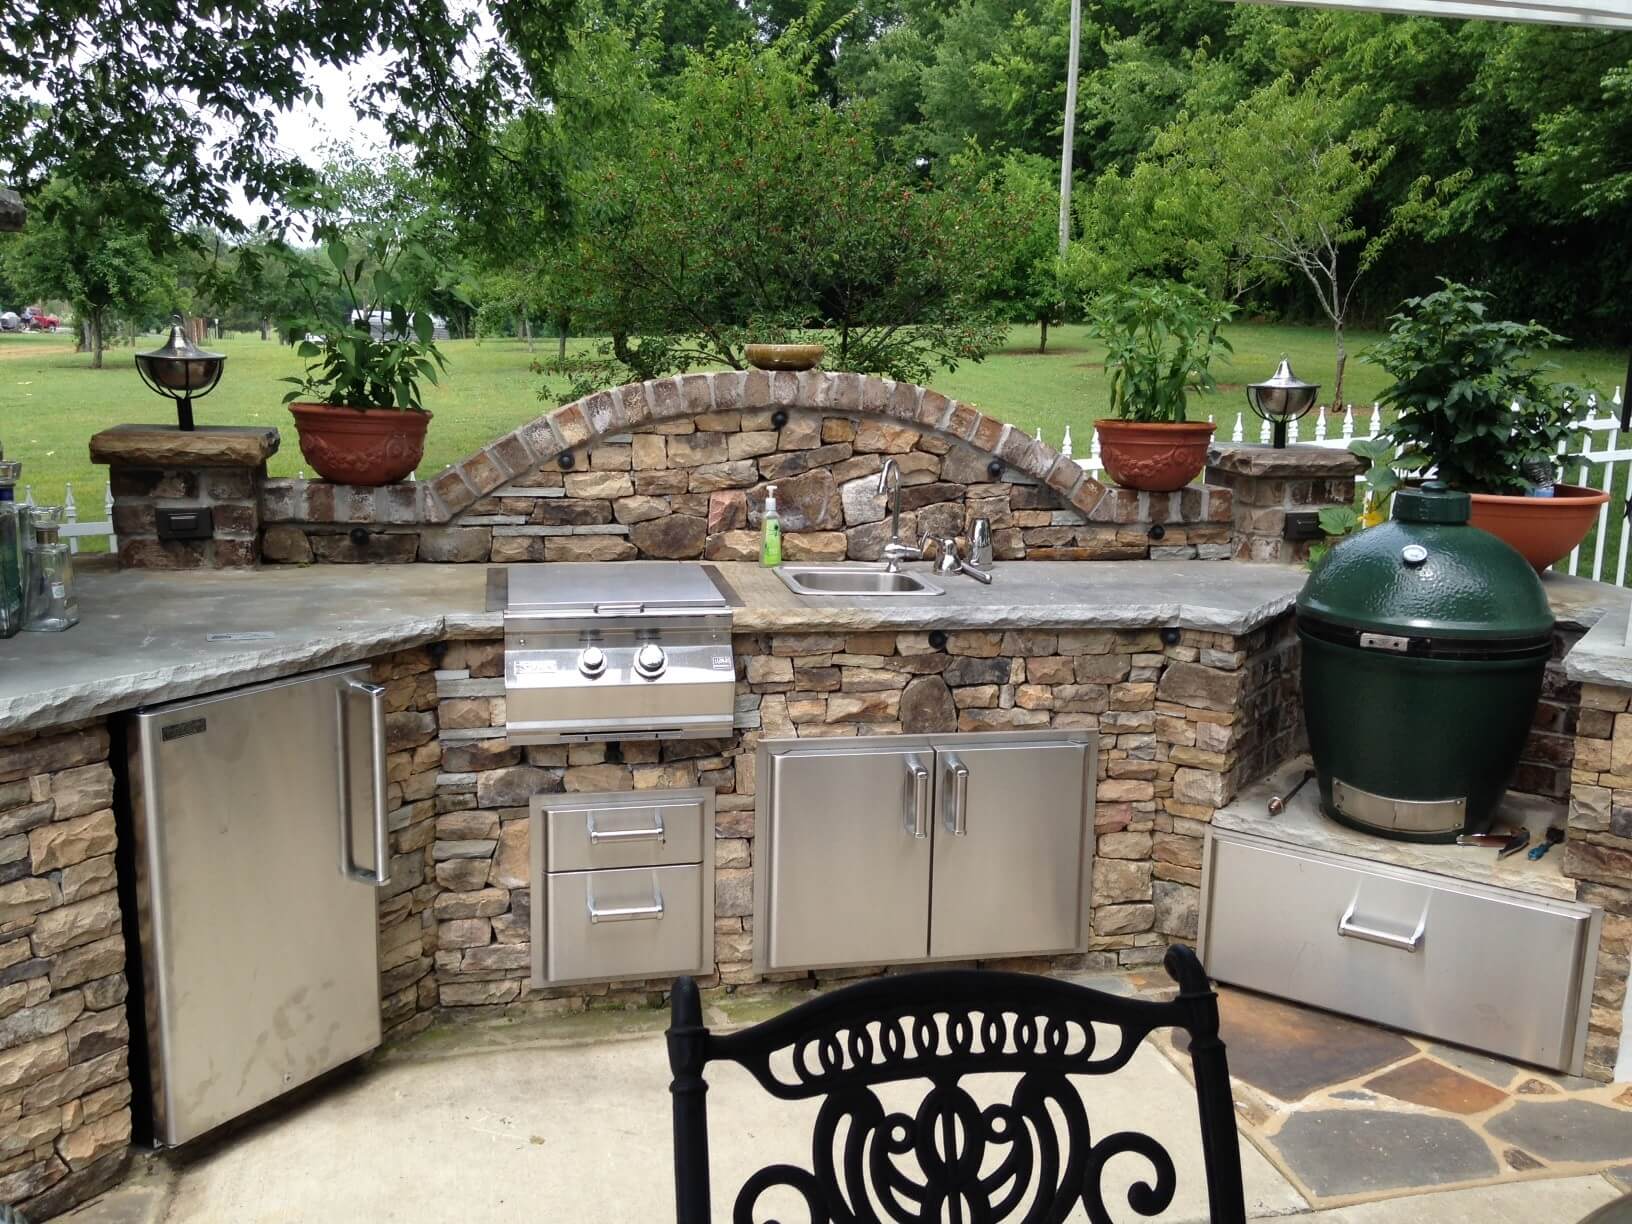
(897, 550)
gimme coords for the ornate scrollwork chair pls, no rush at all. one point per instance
(1032, 1158)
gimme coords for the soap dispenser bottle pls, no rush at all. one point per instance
(770, 531)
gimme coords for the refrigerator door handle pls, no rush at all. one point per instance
(376, 731)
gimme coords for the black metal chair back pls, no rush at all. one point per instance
(953, 1160)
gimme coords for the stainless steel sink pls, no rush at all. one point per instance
(851, 580)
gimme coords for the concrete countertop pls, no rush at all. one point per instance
(146, 636)
(1604, 656)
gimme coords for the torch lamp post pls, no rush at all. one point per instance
(1282, 398)
(181, 371)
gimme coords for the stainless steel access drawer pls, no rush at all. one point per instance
(635, 830)
(625, 885)
(1484, 967)
(638, 922)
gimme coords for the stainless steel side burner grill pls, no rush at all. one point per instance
(633, 650)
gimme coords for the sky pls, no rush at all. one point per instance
(306, 130)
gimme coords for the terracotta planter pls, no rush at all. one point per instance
(360, 446)
(784, 356)
(1543, 529)
(1156, 456)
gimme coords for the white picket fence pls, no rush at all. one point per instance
(1595, 468)
(73, 531)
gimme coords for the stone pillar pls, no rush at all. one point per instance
(1598, 856)
(1270, 484)
(186, 499)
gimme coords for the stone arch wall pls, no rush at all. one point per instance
(677, 468)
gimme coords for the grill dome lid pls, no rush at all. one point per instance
(1427, 574)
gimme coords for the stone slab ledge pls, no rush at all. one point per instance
(166, 446)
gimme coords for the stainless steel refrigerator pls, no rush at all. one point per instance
(260, 842)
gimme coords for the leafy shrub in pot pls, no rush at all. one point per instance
(1160, 341)
(1472, 400)
(368, 348)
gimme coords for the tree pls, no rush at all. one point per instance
(1030, 283)
(136, 88)
(749, 208)
(89, 247)
(1283, 175)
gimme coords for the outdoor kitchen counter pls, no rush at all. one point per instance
(147, 636)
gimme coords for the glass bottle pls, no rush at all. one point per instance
(11, 551)
(51, 604)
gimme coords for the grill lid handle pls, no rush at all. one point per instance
(623, 608)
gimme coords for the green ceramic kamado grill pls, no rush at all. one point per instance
(1424, 644)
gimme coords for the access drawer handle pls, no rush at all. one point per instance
(1347, 927)
(629, 913)
(599, 837)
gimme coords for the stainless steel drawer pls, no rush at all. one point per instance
(641, 922)
(1466, 963)
(625, 829)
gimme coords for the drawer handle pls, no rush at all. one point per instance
(601, 836)
(1346, 926)
(629, 913)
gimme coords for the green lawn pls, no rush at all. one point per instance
(51, 401)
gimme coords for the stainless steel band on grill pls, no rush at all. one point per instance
(634, 650)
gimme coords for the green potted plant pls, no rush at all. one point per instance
(1472, 400)
(1160, 340)
(367, 347)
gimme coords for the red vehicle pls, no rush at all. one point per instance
(35, 320)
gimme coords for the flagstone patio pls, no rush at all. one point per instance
(566, 1118)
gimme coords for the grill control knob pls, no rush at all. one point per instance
(650, 660)
(592, 662)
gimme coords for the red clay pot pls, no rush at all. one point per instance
(1156, 456)
(360, 446)
(1543, 529)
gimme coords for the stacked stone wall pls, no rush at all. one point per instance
(1184, 719)
(407, 923)
(65, 1120)
(1598, 855)
(679, 469)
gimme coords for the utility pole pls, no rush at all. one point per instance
(1070, 128)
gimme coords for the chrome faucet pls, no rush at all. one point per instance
(897, 550)
(949, 562)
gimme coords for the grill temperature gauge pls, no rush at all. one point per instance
(650, 660)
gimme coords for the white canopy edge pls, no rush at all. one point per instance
(1603, 14)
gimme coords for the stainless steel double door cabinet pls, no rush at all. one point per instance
(892, 849)
(259, 820)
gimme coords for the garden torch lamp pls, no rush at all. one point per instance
(181, 371)
(1282, 398)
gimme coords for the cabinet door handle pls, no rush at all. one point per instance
(918, 777)
(957, 816)
(1347, 927)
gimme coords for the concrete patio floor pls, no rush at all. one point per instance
(566, 1118)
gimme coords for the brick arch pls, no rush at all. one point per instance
(633, 406)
